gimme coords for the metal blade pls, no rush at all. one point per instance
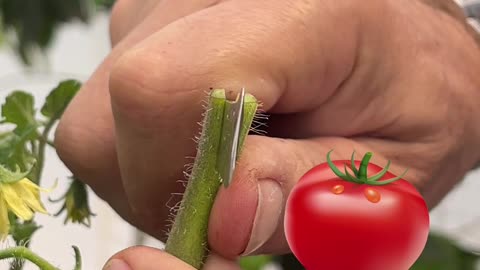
(232, 137)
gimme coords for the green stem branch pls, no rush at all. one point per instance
(78, 259)
(39, 152)
(188, 237)
(362, 171)
(41, 148)
(21, 252)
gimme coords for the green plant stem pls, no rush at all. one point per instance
(362, 171)
(78, 258)
(41, 148)
(33, 146)
(39, 152)
(18, 262)
(188, 237)
(21, 252)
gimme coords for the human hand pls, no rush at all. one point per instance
(396, 78)
(144, 258)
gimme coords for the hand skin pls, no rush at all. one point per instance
(145, 258)
(399, 78)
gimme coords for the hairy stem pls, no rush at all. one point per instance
(21, 252)
(188, 237)
(39, 152)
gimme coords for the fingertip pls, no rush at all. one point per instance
(116, 264)
(232, 216)
(215, 262)
(145, 258)
(232, 230)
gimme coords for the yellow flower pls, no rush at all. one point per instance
(20, 196)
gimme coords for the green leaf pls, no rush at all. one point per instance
(59, 98)
(254, 262)
(19, 109)
(9, 142)
(22, 232)
(12, 176)
(14, 151)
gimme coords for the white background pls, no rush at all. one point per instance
(78, 49)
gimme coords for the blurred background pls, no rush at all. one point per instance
(45, 41)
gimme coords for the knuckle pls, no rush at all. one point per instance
(70, 144)
(143, 81)
(83, 147)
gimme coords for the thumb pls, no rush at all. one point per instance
(146, 258)
(247, 217)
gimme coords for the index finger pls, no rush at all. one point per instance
(288, 56)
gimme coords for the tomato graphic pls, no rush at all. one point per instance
(350, 221)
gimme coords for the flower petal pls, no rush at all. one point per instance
(32, 185)
(4, 222)
(15, 203)
(30, 195)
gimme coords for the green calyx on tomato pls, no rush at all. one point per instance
(360, 175)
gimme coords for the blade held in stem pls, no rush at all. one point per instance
(187, 239)
(232, 124)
